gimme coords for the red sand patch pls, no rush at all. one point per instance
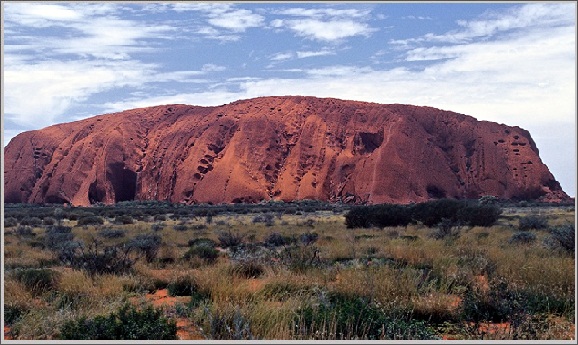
(7, 334)
(186, 329)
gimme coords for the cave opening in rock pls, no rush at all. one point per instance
(123, 181)
(435, 192)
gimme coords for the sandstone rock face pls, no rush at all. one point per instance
(276, 148)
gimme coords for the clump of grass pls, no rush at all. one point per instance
(229, 239)
(227, 323)
(247, 269)
(37, 280)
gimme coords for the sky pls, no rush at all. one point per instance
(508, 62)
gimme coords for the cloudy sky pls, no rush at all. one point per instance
(512, 63)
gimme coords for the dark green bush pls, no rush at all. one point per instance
(276, 239)
(183, 286)
(500, 304)
(112, 233)
(535, 222)
(160, 217)
(199, 227)
(308, 238)
(56, 235)
(522, 237)
(344, 317)
(207, 242)
(180, 227)
(32, 221)
(10, 222)
(147, 244)
(157, 227)
(207, 253)
(300, 258)
(105, 260)
(12, 314)
(562, 237)
(37, 280)
(124, 219)
(48, 221)
(479, 215)
(24, 231)
(429, 213)
(377, 215)
(90, 220)
(127, 323)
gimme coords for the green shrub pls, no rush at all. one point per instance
(308, 238)
(90, 220)
(160, 217)
(147, 244)
(562, 237)
(228, 239)
(12, 314)
(300, 258)
(183, 286)
(429, 213)
(112, 233)
(535, 222)
(207, 253)
(10, 222)
(102, 260)
(343, 317)
(207, 242)
(378, 215)
(432, 213)
(500, 304)
(522, 237)
(48, 221)
(276, 239)
(479, 215)
(37, 280)
(124, 219)
(127, 323)
(180, 227)
(32, 221)
(56, 235)
(24, 231)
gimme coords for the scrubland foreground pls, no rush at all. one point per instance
(442, 270)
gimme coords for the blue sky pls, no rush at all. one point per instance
(512, 63)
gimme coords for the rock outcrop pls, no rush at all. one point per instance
(280, 148)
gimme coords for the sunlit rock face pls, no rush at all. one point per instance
(276, 148)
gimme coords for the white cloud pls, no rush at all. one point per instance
(282, 56)
(325, 12)
(332, 30)
(306, 54)
(327, 24)
(543, 15)
(224, 15)
(237, 20)
(57, 85)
